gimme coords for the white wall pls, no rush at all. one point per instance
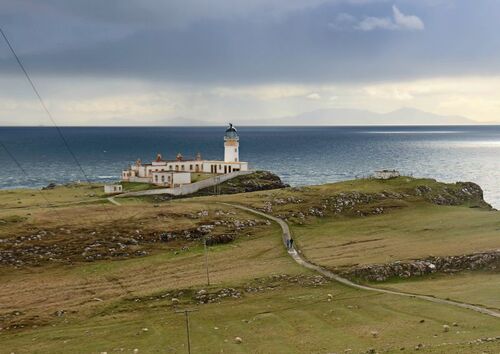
(111, 189)
(231, 151)
(181, 178)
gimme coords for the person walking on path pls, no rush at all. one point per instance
(290, 243)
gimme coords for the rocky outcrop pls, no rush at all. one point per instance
(450, 264)
(122, 240)
(220, 239)
(257, 285)
(458, 194)
(362, 204)
(207, 231)
(257, 181)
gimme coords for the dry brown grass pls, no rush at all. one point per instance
(39, 292)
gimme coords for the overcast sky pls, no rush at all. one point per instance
(145, 62)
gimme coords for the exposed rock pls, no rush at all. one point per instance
(382, 272)
(49, 186)
(257, 181)
(219, 239)
(460, 193)
(207, 297)
(362, 204)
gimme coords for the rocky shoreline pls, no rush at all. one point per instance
(404, 270)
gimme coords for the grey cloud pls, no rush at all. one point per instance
(406, 21)
(398, 21)
(240, 42)
(373, 23)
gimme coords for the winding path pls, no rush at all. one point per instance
(113, 201)
(329, 274)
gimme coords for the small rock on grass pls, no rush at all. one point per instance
(238, 340)
(446, 328)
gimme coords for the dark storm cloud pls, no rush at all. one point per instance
(254, 41)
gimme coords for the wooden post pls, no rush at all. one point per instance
(186, 314)
(206, 260)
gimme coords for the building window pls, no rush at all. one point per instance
(156, 178)
(163, 178)
(190, 167)
(235, 149)
(235, 159)
(183, 167)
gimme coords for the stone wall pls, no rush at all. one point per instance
(450, 264)
(190, 188)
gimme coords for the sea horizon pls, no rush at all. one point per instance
(252, 125)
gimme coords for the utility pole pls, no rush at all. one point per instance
(206, 259)
(186, 314)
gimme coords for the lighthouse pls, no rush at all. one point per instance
(231, 145)
(173, 173)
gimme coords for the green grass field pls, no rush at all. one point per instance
(291, 319)
(126, 304)
(417, 231)
(481, 288)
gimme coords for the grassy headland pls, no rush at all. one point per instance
(88, 276)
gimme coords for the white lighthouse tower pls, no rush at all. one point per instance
(231, 145)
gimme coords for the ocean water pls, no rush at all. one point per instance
(300, 155)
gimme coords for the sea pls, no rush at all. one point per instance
(299, 155)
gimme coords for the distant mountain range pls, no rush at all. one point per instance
(333, 116)
(338, 116)
(341, 116)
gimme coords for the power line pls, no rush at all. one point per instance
(44, 106)
(18, 164)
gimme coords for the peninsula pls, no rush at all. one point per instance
(416, 253)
